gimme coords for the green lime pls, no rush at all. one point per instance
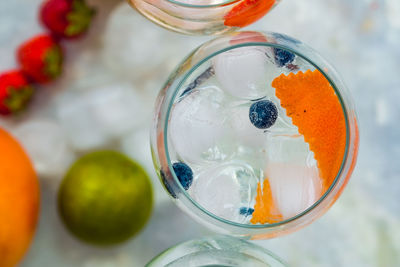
(105, 198)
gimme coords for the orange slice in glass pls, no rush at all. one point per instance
(265, 210)
(312, 104)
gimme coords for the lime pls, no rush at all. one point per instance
(105, 198)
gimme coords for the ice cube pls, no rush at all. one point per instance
(46, 145)
(224, 189)
(294, 187)
(293, 174)
(289, 148)
(245, 72)
(198, 126)
(246, 133)
(249, 141)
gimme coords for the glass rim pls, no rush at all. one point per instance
(175, 247)
(315, 204)
(223, 3)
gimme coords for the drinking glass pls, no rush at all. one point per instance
(254, 135)
(216, 251)
(203, 17)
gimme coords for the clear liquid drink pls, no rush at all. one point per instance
(254, 134)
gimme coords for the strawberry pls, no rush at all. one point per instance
(247, 12)
(66, 18)
(41, 58)
(15, 92)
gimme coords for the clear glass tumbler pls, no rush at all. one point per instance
(254, 135)
(216, 251)
(203, 17)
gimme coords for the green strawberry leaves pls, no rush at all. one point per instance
(18, 98)
(53, 62)
(79, 18)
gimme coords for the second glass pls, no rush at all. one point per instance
(203, 17)
(254, 135)
(223, 251)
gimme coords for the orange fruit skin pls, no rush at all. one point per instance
(311, 102)
(265, 210)
(19, 201)
(247, 12)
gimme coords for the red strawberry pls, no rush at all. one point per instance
(247, 12)
(66, 18)
(41, 58)
(15, 92)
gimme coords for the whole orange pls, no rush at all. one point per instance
(19, 201)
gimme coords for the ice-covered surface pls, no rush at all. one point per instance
(101, 114)
(361, 38)
(46, 143)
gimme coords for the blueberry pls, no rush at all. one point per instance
(283, 57)
(184, 174)
(246, 211)
(263, 114)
